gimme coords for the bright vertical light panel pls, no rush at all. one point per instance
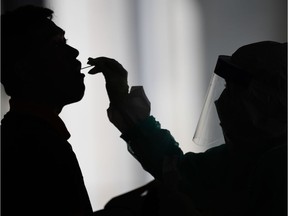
(153, 40)
(99, 28)
(171, 61)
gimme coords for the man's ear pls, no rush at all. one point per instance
(22, 71)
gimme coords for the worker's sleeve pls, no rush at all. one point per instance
(152, 146)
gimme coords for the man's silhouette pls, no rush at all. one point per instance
(40, 72)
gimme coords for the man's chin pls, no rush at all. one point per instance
(74, 98)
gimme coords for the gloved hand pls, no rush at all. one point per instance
(115, 76)
(126, 109)
(134, 109)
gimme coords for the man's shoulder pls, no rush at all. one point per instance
(18, 123)
(28, 131)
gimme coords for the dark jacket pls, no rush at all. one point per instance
(40, 172)
(229, 179)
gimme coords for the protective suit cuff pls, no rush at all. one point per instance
(143, 128)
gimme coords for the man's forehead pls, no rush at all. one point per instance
(49, 32)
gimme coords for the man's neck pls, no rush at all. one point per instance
(42, 111)
(34, 106)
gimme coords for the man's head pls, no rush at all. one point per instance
(36, 62)
(255, 97)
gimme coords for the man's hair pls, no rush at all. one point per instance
(23, 32)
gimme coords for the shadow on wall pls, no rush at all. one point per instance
(228, 25)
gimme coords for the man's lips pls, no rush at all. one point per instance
(78, 65)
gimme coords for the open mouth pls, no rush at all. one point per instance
(78, 65)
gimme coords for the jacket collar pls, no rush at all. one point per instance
(41, 112)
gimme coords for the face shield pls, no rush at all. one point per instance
(208, 132)
(257, 85)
